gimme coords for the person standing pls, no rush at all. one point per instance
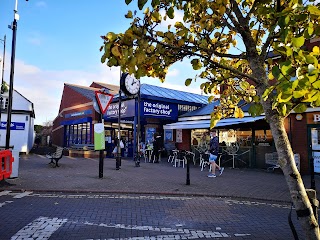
(156, 148)
(214, 151)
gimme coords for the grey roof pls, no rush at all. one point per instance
(208, 109)
(157, 93)
(88, 92)
(166, 93)
(152, 92)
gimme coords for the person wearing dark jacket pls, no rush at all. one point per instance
(214, 151)
(157, 145)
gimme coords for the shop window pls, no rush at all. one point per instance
(200, 139)
(263, 138)
(186, 108)
(78, 134)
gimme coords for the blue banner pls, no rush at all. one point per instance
(76, 114)
(13, 125)
(127, 109)
(159, 109)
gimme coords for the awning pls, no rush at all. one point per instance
(206, 123)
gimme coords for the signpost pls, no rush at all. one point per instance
(104, 99)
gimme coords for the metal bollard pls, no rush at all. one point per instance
(188, 171)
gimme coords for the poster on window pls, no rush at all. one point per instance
(315, 140)
(149, 134)
(168, 135)
(179, 135)
(316, 161)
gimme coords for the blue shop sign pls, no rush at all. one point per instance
(13, 125)
(76, 114)
(159, 109)
(127, 109)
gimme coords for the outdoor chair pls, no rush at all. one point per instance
(180, 159)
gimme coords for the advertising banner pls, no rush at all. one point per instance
(159, 110)
(99, 141)
(127, 109)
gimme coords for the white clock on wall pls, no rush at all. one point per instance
(129, 84)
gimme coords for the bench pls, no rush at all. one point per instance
(56, 156)
(272, 159)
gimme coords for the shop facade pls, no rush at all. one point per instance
(249, 140)
(157, 106)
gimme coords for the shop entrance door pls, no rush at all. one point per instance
(314, 146)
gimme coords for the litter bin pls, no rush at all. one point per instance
(15, 164)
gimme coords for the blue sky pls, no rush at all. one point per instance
(58, 42)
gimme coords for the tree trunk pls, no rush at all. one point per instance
(286, 160)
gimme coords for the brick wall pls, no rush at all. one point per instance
(77, 102)
(299, 139)
(186, 140)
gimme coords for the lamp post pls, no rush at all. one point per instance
(2, 78)
(13, 53)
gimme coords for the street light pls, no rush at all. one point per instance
(1, 89)
(13, 53)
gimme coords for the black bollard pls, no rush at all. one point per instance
(137, 160)
(101, 164)
(188, 171)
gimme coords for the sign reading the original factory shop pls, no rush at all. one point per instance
(159, 110)
(127, 109)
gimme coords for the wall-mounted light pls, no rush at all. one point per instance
(299, 117)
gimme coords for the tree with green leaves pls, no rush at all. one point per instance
(228, 42)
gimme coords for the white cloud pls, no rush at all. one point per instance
(44, 87)
(172, 73)
(178, 17)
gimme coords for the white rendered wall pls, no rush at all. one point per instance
(22, 140)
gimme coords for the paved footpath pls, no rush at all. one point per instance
(68, 216)
(81, 175)
(147, 202)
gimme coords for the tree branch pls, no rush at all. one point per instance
(190, 53)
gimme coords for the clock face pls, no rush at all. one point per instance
(132, 85)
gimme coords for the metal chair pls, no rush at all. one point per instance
(171, 156)
(180, 158)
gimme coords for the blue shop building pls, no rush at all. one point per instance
(158, 106)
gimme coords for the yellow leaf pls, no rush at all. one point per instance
(115, 51)
(238, 113)
(316, 50)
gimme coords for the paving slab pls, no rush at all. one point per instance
(82, 175)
